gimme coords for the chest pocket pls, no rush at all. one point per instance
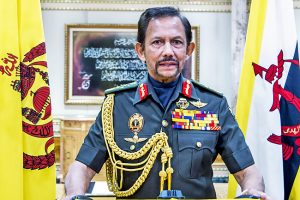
(196, 152)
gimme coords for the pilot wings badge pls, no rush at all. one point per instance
(135, 124)
(198, 104)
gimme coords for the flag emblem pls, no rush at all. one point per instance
(37, 107)
(274, 73)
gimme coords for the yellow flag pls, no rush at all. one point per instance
(268, 104)
(27, 169)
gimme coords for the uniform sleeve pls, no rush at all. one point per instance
(231, 144)
(93, 152)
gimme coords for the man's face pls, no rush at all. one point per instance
(165, 49)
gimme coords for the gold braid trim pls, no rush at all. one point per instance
(155, 144)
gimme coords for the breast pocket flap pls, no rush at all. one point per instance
(197, 140)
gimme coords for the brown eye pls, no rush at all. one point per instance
(177, 43)
(157, 43)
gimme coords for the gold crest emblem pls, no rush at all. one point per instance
(182, 103)
(198, 104)
(135, 124)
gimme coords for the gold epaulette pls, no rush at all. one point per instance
(121, 88)
(207, 88)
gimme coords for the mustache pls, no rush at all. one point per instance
(167, 60)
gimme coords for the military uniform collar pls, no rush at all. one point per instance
(187, 88)
(145, 89)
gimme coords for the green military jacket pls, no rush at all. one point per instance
(194, 147)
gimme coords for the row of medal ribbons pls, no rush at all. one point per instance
(195, 119)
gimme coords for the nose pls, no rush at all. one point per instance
(168, 50)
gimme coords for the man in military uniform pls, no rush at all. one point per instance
(165, 131)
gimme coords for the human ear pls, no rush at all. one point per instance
(190, 49)
(140, 51)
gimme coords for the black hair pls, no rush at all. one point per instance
(158, 12)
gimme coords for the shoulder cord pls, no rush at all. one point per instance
(158, 142)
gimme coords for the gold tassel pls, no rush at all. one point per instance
(162, 173)
(169, 170)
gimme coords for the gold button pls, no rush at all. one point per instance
(164, 123)
(198, 144)
(132, 147)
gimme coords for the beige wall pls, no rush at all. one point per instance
(214, 21)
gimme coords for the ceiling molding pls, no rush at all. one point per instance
(127, 5)
(114, 5)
